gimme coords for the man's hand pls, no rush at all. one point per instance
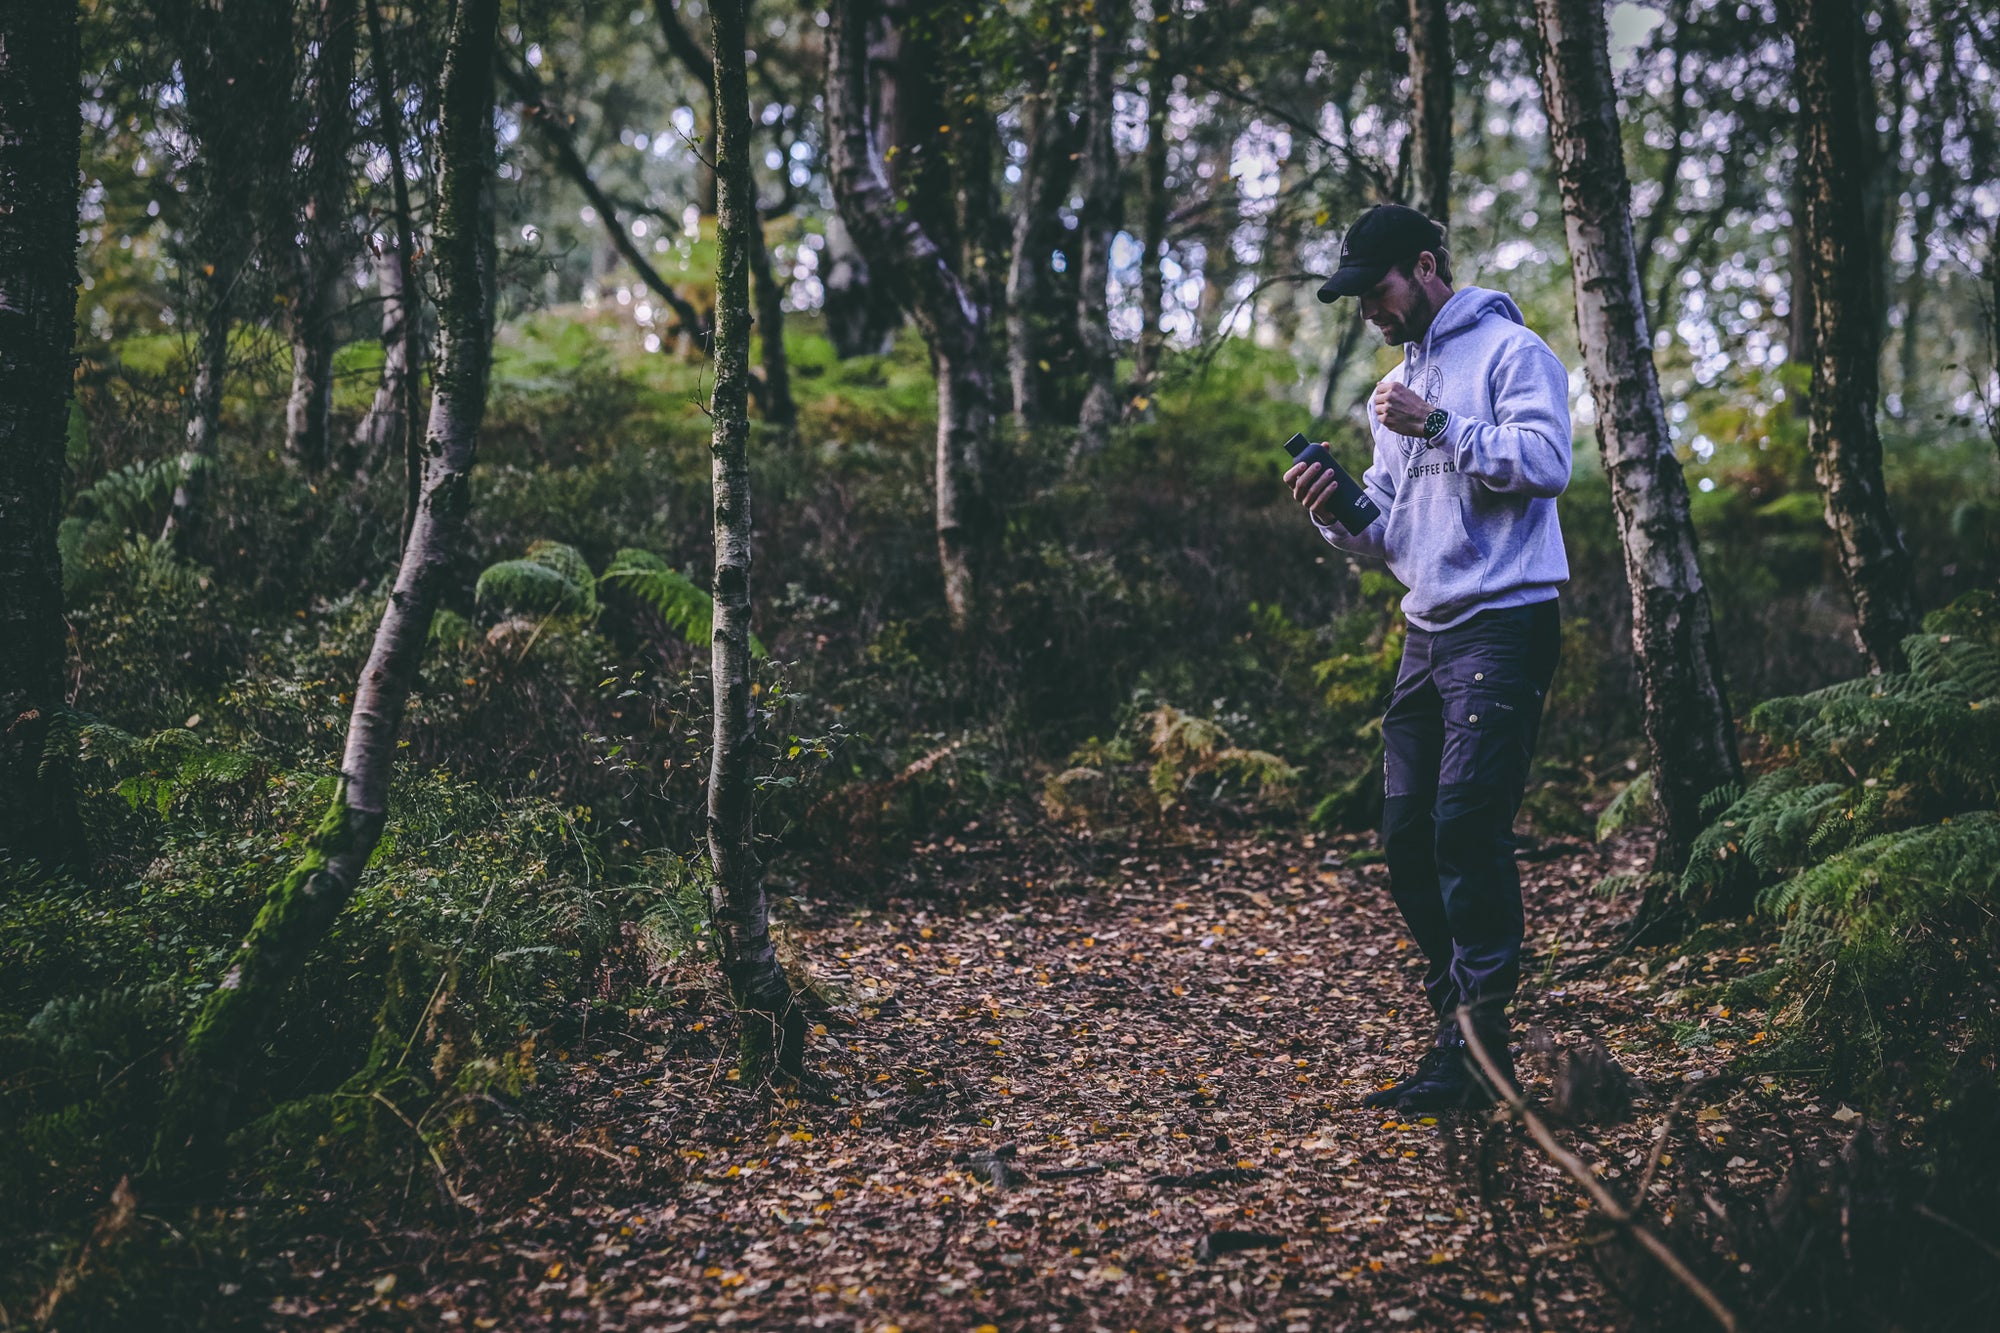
(1312, 484)
(1398, 408)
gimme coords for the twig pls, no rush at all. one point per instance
(1958, 1228)
(1606, 1202)
(451, 1186)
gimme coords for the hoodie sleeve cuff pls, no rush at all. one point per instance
(1454, 439)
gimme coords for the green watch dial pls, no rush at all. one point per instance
(1435, 423)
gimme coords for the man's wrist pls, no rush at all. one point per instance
(1436, 422)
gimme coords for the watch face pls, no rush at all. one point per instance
(1435, 423)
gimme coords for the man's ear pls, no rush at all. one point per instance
(1427, 266)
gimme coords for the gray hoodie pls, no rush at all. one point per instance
(1469, 519)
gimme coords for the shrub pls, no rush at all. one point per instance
(1873, 839)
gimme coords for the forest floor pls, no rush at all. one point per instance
(1102, 1024)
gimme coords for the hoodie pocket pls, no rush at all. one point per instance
(1429, 548)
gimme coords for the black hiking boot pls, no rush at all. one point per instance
(1455, 1085)
(1427, 1068)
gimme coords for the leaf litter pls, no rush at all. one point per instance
(1117, 1097)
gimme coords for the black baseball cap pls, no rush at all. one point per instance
(1383, 237)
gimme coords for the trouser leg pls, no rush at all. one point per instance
(1412, 743)
(1492, 675)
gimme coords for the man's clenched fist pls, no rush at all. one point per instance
(1398, 407)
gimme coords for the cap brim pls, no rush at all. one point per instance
(1352, 280)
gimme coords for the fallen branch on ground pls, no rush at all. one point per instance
(1607, 1203)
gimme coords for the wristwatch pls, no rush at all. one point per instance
(1435, 423)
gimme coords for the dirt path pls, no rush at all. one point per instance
(1017, 1069)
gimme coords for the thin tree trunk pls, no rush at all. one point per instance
(1343, 352)
(1689, 731)
(322, 259)
(1045, 175)
(204, 423)
(1843, 250)
(236, 75)
(1152, 277)
(395, 415)
(773, 1026)
(527, 90)
(953, 323)
(40, 131)
(779, 409)
(1430, 108)
(382, 427)
(302, 907)
(1097, 223)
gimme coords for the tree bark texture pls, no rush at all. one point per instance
(395, 415)
(40, 134)
(1045, 178)
(301, 907)
(862, 315)
(322, 258)
(773, 1025)
(1689, 731)
(1431, 68)
(1097, 223)
(953, 324)
(1152, 276)
(1843, 258)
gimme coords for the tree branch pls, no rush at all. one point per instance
(1607, 1203)
(527, 90)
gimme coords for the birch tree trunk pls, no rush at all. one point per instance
(301, 907)
(409, 383)
(952, 322)
(1689, 731)
(773, 1026)
(1843, 259)
(861, 316)
(1152, 277)
(322, 257)
(1430, 108)
(402, 386)
(1097, 223)
(40, 132)
(1045, 175)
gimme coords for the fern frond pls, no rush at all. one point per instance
(682, 603)
(527, 587)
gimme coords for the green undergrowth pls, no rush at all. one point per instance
(479, 923)
(1872, 839)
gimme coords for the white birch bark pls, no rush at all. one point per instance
(1689, 730)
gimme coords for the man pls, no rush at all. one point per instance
(1472, 445)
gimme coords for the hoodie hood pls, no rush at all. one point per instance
(1465, 309)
